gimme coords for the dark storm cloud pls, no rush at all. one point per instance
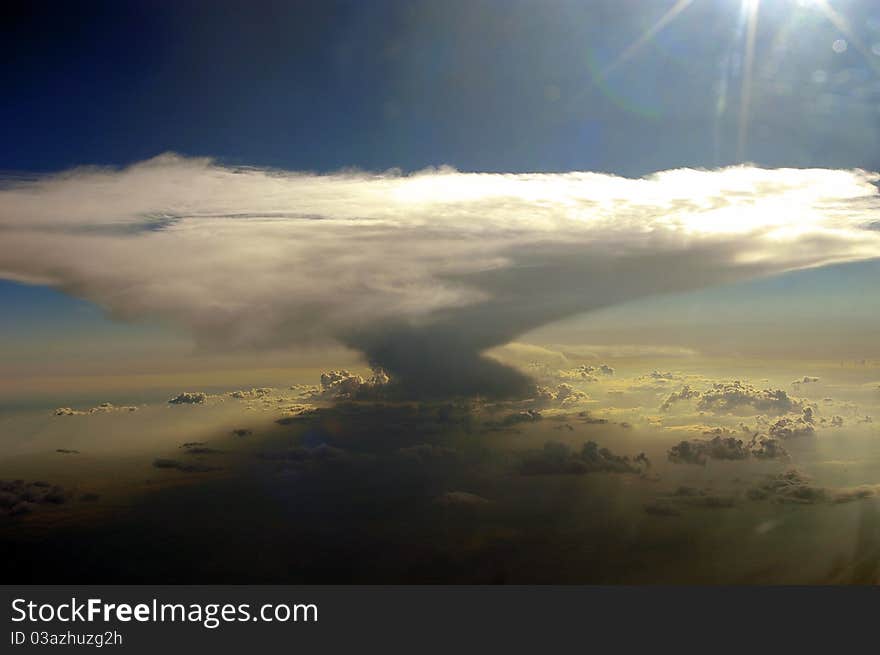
(385, 427)
(443, 358)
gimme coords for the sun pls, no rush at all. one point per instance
(750, 11)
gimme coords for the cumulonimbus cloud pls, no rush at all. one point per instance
(421, 272)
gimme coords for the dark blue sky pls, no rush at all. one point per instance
(502, 86)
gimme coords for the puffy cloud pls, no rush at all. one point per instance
(700, 451)
(511, 420)
(736, 397)
(792, 486)
(421, 272)
(763, 447)
(306, 389)
(19, 497)
(789, 427)
(294, 412)
(69, 411)
(587, 372)
(189, 398)
(685, 393)
(795, 486)
(345, 384)
(244, 394)
(103, 408)
(564, 394)
(808, 415)
(342, 380)
(272, 399)
(558, 458)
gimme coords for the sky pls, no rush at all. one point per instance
(510, 87)
(483, 291)
(481, 86)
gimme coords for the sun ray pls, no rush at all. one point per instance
(649, 34)
(745, 101)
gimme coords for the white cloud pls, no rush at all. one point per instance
(423, 271)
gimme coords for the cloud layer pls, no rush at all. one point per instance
(421, 272)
